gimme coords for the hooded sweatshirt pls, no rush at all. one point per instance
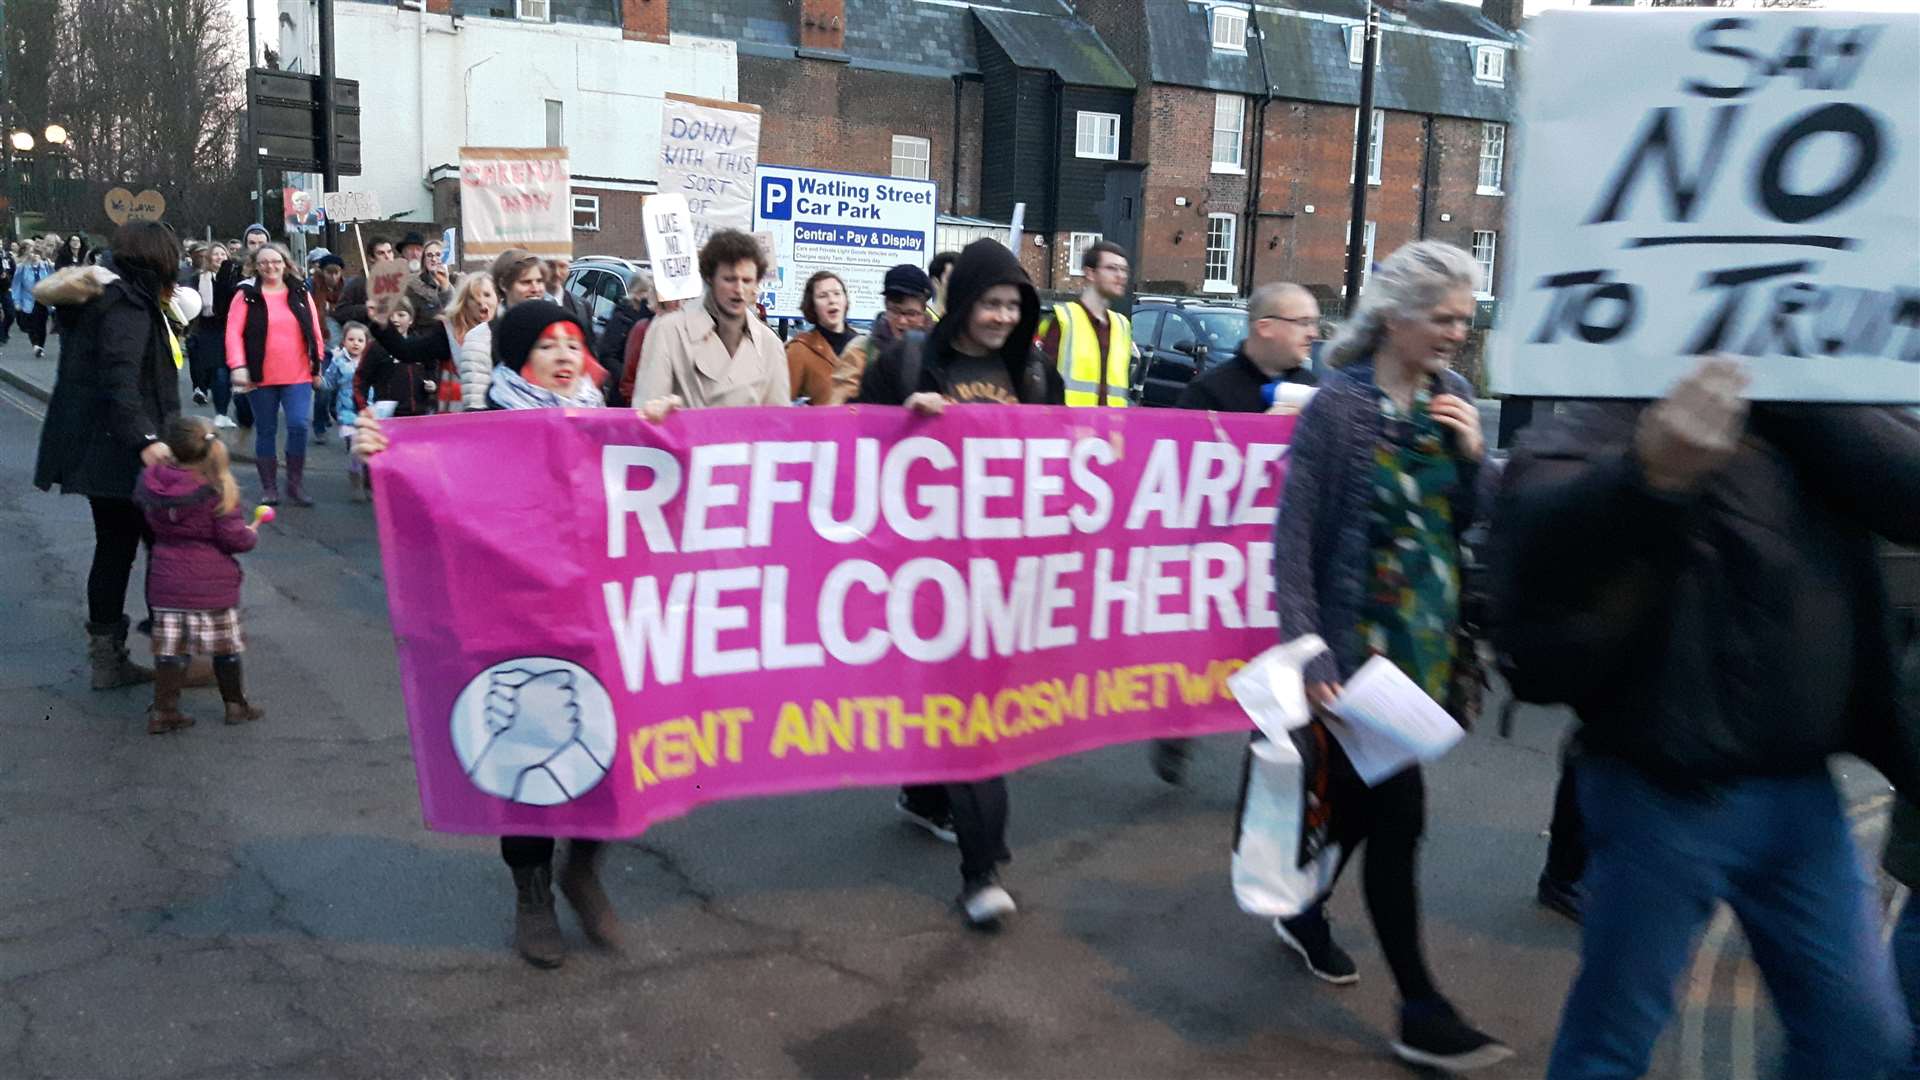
(192, 565)
(1017, 373)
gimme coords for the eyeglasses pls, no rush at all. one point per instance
(1297, 320)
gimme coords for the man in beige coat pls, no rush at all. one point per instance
(716, 352)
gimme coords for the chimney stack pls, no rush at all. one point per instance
(1506, 14)
(823, 25)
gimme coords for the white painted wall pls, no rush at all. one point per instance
(486, 83)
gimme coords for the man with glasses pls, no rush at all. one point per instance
(1283, 321)
(1089, 342)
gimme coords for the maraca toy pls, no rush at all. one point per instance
(262, 515)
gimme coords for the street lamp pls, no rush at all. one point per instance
(23, 141)
(56, 135)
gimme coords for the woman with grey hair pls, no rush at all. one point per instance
(611, 349)
(1380, 486)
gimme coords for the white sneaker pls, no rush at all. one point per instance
(224, 421)
(987, 904)
(39, 351)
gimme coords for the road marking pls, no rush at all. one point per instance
(32, 409)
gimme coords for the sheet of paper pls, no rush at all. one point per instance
(1389, 723)
(1271, 688)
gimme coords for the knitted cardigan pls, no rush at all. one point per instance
(1322, 548)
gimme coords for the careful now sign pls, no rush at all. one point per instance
(1758, 197)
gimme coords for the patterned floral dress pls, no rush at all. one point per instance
(1413, 595)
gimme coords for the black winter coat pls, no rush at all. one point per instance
(1741, 631)
(611, 349)
(115, 390)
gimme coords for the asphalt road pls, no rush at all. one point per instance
(262, 901)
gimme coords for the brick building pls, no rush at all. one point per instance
(1248, 115)
(1000, 103)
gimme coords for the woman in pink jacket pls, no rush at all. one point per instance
(274, 347)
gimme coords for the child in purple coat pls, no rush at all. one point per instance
(193, 580)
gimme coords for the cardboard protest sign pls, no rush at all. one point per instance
(855, 225)
(708, 150)
(123, 206)
(668, 225)
(1747, 185)
(348, 206)
(754, 601)
(514, 198)
(387, 278)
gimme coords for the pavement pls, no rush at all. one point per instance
(262, 901)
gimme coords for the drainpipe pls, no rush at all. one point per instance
(953, 186)
(1426, 177)
(1259, 159)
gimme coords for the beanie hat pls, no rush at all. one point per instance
(907, 280)
(256, 228)
(523, 325)
(412, 239)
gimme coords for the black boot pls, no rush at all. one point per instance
(226, 671)
(107, 655)
(536, 932)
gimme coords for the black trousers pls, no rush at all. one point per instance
(1388, 820)
(979, 814)
(6, 311)
(35, 324)
(524, 852)
(119, 528)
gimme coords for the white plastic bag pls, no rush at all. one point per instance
(1272, 688)
(1285, 859)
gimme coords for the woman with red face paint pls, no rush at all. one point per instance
(544, 363)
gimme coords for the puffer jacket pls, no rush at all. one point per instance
(1735, 632)
(475, 364)
(192, 565)
(116, 385)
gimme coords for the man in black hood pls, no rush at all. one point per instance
(981, 352)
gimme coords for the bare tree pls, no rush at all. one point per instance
(151, 95)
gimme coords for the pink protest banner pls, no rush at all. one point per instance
(603, 622)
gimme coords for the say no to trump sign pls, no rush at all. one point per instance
(1712, 182)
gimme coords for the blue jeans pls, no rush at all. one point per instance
(268, 401)
(1906, 963)
(1778, 850)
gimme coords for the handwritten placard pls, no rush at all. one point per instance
(346, 206)
(670, 246)
(515, 198)
(387, 278)
(123, 206)
(1747, 186)
(708, 150)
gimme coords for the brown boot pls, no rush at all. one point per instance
(107, 655)
(226, 671)
(580, 884)
(164, 714)
(536, 932)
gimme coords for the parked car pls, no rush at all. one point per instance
(602, 280)
(1179, 337)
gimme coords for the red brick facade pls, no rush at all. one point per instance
(1173, 239)
(620, 231)
(643, 20)
(826, 115)
(1429, 167)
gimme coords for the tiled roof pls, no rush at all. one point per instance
(1070, 48)
(1427, 62)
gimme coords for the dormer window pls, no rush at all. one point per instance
(1490, 63)
(1229, 29)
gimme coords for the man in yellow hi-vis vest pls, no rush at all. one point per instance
(1090, 343)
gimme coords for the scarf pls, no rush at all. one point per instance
(511, 391)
